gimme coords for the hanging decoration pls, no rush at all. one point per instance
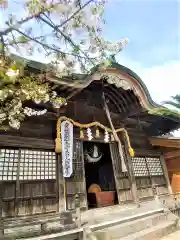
(88, 127)
(97, 133)
(81, 133)
(58, 147)
(67, 148)
(106, 136)
(112, 138)
(94, 155)
(89, 134)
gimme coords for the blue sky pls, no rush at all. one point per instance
(153, 28)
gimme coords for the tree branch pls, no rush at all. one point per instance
(52, 25)
(47, 46)
(2, 47)
(74, 14)
(23, 41)
(19, 23)
(8, 30)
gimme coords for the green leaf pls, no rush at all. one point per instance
(75, 49)
(1, 46)
(94, 10)
(23, 39)
(4, 128)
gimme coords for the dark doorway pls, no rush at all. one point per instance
(99, 174)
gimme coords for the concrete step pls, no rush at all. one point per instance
(153, 233)
(137, 225)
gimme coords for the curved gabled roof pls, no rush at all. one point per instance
(80, 81)
(138, 79)
(82, 77)
(134, 80)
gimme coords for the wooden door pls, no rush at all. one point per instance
(122, 180)
(76, 184)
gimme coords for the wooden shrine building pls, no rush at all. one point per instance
(171, 147)
(33, 179)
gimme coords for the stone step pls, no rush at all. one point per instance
(153, 233)
(73, 234)
(124, 229)
(96, 216)
(173, 236)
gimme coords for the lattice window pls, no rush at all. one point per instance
(145, 166)
(140, 166)
(37, 165)
(33, 165)
(8, 164)
(154, 166)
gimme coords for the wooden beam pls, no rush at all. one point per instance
(17, 141)
(131, 174)
(147, 153)
(1, 210)
(57, 183)
(166, 173)
(83, 106)
(165, 142)
(172, 154)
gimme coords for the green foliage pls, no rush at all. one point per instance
(15, 91)
(165, 112)
(175, 103)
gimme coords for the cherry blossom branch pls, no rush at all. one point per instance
(52, 25)
(19, 23)
(47, 46)
(74, 14)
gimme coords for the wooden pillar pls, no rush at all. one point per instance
(166, 175)
(57, 184)
(131, 175)
(60, 179)
(17, 193)
(1, 210)
(62, 204)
